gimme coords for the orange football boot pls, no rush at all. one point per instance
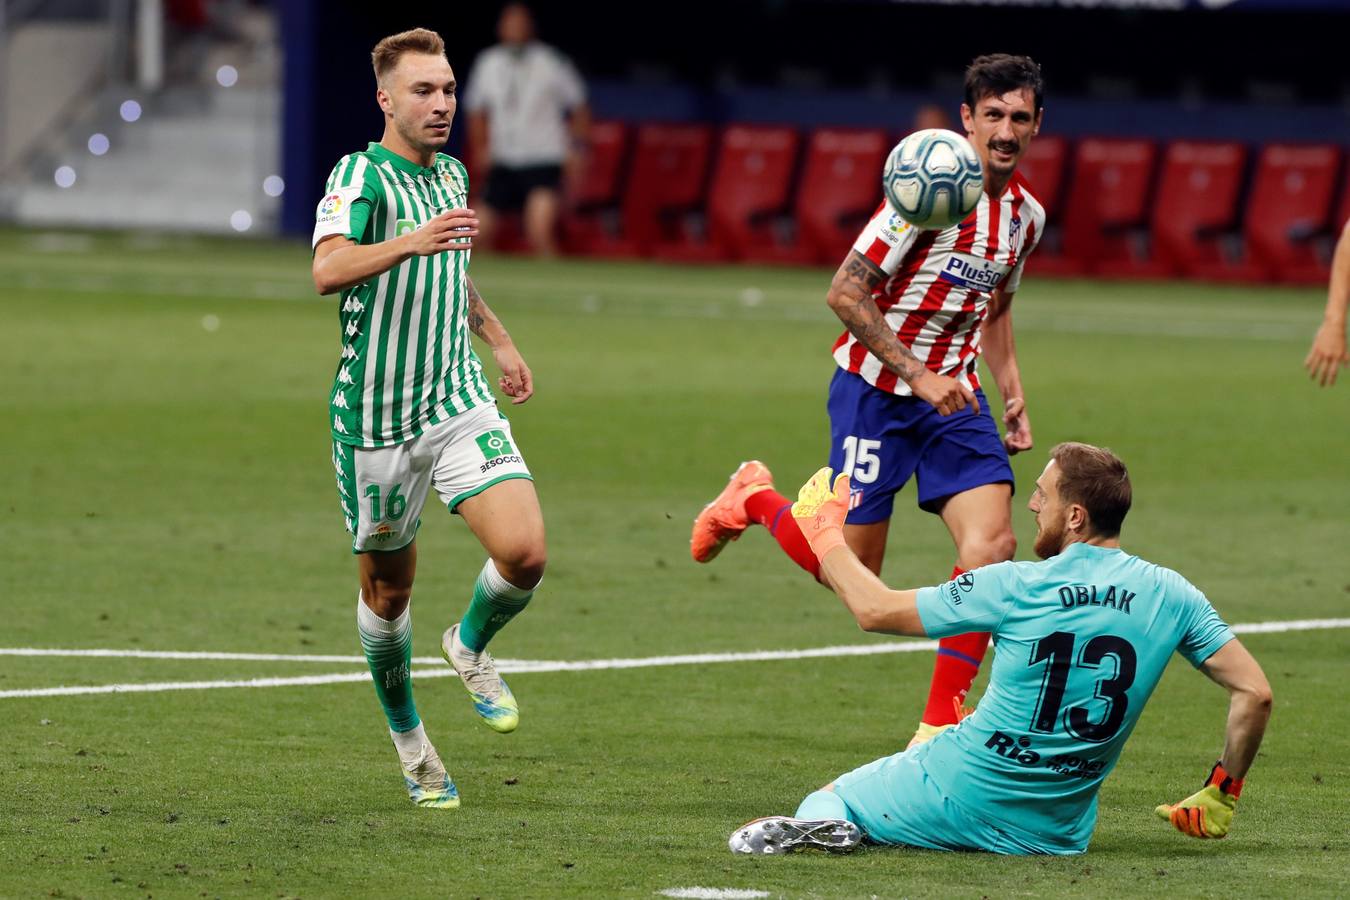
(725, 518)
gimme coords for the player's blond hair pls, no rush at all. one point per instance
(390, 50)
(1095, 479)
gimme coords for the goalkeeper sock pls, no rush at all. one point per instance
(495, 602)
(822, 805)
(774, 511)
(954, 670)
(388, 649)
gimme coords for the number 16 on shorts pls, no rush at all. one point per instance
(381, 496)
(862, 465)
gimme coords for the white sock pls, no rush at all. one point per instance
(409, 743)
(500, 587)
(369, 622)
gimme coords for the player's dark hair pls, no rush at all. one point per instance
(996, 74)
(1095, 479)
(389, 51)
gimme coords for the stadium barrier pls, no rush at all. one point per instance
(1116, 207)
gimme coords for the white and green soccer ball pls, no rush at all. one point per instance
(933, 178)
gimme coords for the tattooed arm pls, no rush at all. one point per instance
(851, 299)
(516, 382)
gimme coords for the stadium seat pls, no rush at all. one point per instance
(1343, 208)
(1288, 214)
(1043, 166)
(839, 187)
(591, 216)
(750, 185)
(665, 182)
(1108, 199)
(1196, 206)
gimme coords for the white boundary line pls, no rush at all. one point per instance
(187, 654)
(504, 665)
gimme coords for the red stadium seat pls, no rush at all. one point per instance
(591, 217)
(750, 184)
(1196, 204)
(1043, 166)
(666, 181)
(839, 187)
(1107, 198)
(1343, 208)
(1289, 211)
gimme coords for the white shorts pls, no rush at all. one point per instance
(382, 491)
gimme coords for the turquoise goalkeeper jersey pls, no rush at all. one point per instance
(1080, 641)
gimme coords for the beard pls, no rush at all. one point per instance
(1049, 540)
(416, 135)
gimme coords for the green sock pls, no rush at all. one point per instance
(495, 602)
(388, 647)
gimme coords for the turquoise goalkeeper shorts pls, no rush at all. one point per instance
(895, 802)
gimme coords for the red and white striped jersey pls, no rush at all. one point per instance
(939, 283)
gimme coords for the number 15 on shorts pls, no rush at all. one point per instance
(861, 463)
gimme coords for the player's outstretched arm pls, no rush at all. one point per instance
(1208, 813)
(820, 511)
(1000, 352)
(340, 262)
(1328, 353)
(517, 382)
(850, 297)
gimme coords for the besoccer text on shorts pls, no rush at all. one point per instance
(411, 408)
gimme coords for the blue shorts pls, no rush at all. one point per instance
(881, 439)
(894, 801)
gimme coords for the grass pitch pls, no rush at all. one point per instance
(169, 488)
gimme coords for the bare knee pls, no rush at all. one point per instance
(385, 598)
(983, 549)
(523, 565)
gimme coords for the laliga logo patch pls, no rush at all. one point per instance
(895, 227)
(331, 205)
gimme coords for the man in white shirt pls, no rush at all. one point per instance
(520, 96)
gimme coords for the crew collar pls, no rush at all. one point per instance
(384, 153)
(1085, 547)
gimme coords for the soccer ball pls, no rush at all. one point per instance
(933, 178)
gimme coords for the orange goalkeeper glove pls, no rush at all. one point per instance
(1209, 811)
(820, 511)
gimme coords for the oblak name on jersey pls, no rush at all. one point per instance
(939, 283)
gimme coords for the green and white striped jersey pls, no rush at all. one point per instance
(407, 360)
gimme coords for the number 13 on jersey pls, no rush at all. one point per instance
(1056, 653)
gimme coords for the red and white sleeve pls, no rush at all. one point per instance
(886, 239)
